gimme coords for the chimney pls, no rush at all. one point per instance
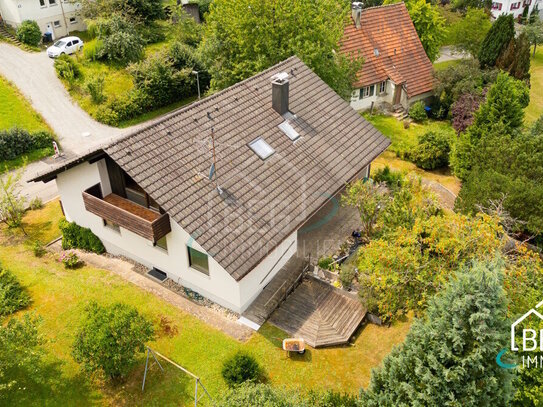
(356, 12)
(280, 93)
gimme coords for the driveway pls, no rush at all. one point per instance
(34, 75)
(449, 54)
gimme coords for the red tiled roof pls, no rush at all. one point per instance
(401, 57)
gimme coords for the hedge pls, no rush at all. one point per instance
(13, 297)
(16, 142)
(77, 237)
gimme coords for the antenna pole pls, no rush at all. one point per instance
(215, 160)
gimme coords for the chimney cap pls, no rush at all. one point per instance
(281, 77)
(357, 4)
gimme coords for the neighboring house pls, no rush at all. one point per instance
(514, 7)
(396, 69)
(58, 17)
(285, 144)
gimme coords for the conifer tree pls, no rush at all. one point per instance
(496, 40)
(448, 358)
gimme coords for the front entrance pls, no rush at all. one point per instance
(397, 94)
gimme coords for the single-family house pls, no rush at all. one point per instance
(514, 7)
(213, 194)
(58, 17)
(396, 69)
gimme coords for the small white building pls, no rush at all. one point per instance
(396, 69)
(213, 195)
(58, 17)
(514, 7)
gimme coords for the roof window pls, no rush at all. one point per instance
(286, 128)
(261, 148)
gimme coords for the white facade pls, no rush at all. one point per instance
(219, 285)
(383, 92)
(514, 7)
(59, 17)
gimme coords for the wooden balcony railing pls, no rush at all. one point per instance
(115, 209)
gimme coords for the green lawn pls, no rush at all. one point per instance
(59, 297)
(441, 66)
(535, 108)
(16, 111)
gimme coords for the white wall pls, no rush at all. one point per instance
(219, 286)
(506, 8)
(44, 16)
(365, 103)
(253, 283)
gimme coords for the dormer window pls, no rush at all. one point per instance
(261, 148)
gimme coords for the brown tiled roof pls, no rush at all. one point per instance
(264, 201)
(401, 57)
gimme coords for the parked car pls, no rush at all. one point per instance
(67, 45)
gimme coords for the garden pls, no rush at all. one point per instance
(24, 135)
(59, 301)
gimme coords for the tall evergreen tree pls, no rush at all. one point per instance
(448, 358)
(516, 58)
(496, 40)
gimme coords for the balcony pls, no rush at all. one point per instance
(142, 221)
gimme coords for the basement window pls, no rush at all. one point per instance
(261, 148)
(289, 131)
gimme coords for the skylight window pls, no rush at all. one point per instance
(261, 148)
(289, 131)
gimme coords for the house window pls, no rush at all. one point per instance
(515, 6)
(56, 24)
(73, 20)
(161, 243)
(367, 91)
(527, 2)
(112, 226)
(383, 87)
(53, 3)
(198, 261)
(42, 3)
(496, 6)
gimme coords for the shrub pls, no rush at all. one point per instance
(35, 203)
(93, 50)
(70, 260)
(463, 111)
(95, 86)
(417, 112)
(67, 68)
(392, 179)
(106, 115)
(347, 275)
(29, 33)
(325, 262)
(38, 249)
(122, 46)
(110, 337)
(241, 368)
(432, 150)
(13, 297)
(77, 237)
(15, 142)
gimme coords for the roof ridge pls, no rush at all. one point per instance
(207, 99)
(384, 6)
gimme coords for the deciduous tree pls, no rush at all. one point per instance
(470, 31)
(534, 33)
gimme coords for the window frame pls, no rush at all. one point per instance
(383, 87)
(52, 3)
(56, 24)
(43, 3)
(164, 246)
(73, 20)
(194, 266)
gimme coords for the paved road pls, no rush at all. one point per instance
(448, 54)
(34, 75)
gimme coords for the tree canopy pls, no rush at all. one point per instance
(496, 41)
(470, 31)
(244, 37)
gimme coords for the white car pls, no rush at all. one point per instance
(67, 45)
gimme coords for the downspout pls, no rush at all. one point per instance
(64, 17)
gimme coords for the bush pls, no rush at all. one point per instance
(16, 142)
(106, 115)
(77, 237)
(70, 260)
(29, 33)
(325, 262)
(93, 50)
(13, 297)
(347, 275)
(95, 86)
(241, 368)
(110, 337)
(38, 249)
(122, 46)
(392, 179)
(417, 112)
(67, 68)
(432, 151)
(35, 203)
